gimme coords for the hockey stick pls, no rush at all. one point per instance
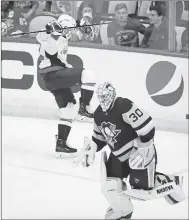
(155, 193)
(65, 28)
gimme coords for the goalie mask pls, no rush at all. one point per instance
(67, 21)
(106, 95)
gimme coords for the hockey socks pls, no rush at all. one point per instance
(63, 131)
(85, 112)
(86, 96)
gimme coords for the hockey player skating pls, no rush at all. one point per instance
(59, 76)
(129, 132)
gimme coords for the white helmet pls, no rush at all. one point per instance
(67, 21)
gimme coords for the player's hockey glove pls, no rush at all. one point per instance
(144, 155)
(53, 26)
(86, 155)
(86, 30)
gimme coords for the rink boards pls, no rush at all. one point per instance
(157, 83)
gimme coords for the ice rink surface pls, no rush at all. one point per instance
(35, 184)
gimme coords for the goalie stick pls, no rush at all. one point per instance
(157, 192)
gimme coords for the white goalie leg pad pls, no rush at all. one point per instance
(110, 214)
(68, 113)
(119, 202)
(112, 189)
(88, 80)
(166, 186)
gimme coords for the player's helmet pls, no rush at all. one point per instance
(106, 95)
(67, 21)
(54, 28)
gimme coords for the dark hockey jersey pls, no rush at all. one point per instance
(120, 126)
(13, 18)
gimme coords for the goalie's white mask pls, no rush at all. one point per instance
(67, 21)
(106, 95)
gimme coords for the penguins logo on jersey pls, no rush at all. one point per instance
(110, 132)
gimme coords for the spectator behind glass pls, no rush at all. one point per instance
(87, 16)
(163, 5)
(124, 31)
(41, 8)
(157, 33)
(4, 8)
(57, 8)
(6, 23)
(182, 13)
(185, 40)
(17, 16)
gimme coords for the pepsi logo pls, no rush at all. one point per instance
(164, 83)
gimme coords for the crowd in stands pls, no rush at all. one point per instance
(143, 24)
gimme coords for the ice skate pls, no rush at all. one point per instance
(63, 150)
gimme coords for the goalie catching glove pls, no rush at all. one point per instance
(86, 155)
(143, 156)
